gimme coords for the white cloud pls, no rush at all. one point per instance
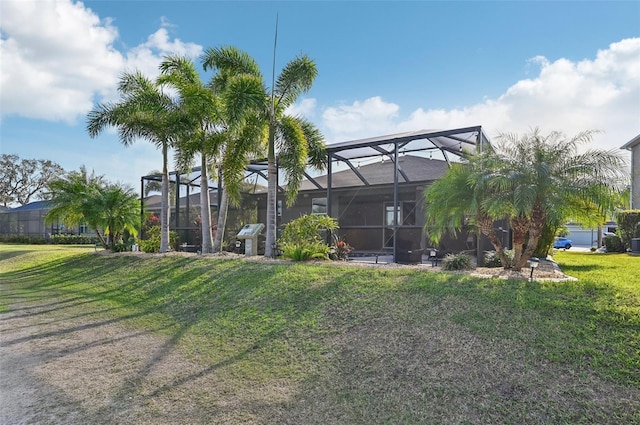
(370, 117)
(305, 108)
(601, 93)
(58, 55)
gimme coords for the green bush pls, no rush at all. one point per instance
(307, 228)
(306, 251)
(23, 239)
(73, 239)
(628, 226)
(614, 243)
(301, 238)
(492, 259)
(459, 261)
(152, 243)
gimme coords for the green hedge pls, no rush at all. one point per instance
(73, 240)
(613, 243)
(628, 226)
(23, 239)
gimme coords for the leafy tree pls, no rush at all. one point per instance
(22, 180)
(144, 111)
(534, 181)
(109, 209)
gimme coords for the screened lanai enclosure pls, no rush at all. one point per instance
(374, 187)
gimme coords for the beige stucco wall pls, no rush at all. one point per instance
(635, 177)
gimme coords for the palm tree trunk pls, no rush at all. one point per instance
(520, 226)
(538, 218)
(205, 207)
(165, 212)
(222, 218)
(485, 224)
(272, 192)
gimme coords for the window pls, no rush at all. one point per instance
(83, 228)
(319, 206)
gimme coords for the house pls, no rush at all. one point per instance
(634, 146)
(366, 213)
(374, 187)
(28, 220)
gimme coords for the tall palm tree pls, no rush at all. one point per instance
(237, 82)
(216, 116)
(199, 137)
(146, 112)
(293, 142)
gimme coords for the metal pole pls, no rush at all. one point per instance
(395, 201)
(141, 207)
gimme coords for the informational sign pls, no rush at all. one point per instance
(250, 230)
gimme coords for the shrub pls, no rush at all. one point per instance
(301, 238)
(492, 259)
(73, 239)
(306, 251)
(152, 243)
(628, 226)
(593, 249)
(22, 239)
(340, 249)
(614, 243)
(459, 261)
(307, 228)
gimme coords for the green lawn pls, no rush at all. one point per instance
(324, 343)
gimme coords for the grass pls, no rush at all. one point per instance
(323, 343)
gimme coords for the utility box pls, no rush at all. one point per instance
(249, 233)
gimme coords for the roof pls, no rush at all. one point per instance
(411, 169)
(632, 143)
(33, 206)
(452, 142)
(443, 143)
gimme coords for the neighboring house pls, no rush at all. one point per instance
(28, 220)
(634, 147)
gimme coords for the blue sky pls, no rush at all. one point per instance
(384, 67)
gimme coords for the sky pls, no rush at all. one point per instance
(383, 67)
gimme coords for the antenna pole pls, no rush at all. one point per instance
(273, 70)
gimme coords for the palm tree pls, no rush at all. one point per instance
(216, 115)
(109, 209)
(146, 112)
(237, 82)
(119, 210)
(293, 142)
(71, 201)
(458, 200)
(549, 180)
(200, 109)
(534, 181)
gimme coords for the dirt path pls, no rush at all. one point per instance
(59, 366)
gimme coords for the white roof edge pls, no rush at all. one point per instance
(631, 143)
